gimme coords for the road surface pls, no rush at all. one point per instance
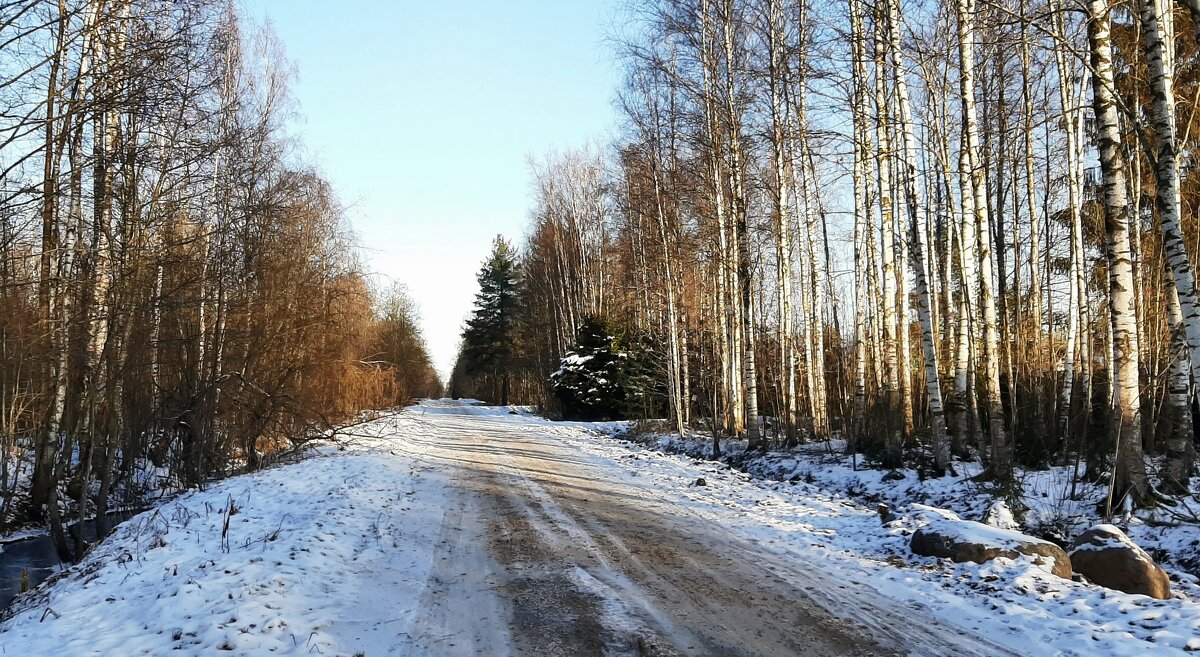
(542, 552)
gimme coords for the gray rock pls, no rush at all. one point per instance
(947, 536)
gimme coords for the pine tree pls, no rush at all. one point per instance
(486, 357)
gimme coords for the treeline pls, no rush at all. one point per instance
(932, 229)
(178, 291)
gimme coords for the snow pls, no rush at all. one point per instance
(1112, 538)
(575, 359)
(145, 485)
(1055, 503)
(1000, 515)
(1032, 611)
(326, 556)
(348, 552)
(948, 523)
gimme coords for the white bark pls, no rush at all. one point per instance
(1181, 454)
(887, 247)
(1159, 38)
(862, 212)
(1000, 466)
(1130, 464)
(1069, 100)
(740, 216)
(916, 239)
(778, 79)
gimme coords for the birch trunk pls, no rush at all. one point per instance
(893, 443)
(1130, 468)
(1068, 100)
(673, 380)
(816, 286)
(864, 255)
(1159, 37)
(43, 492)
(778, 79)
(1180, 452)
(862, 210)
(740, 216)
(966, 418)
(1000, 466)
(916, 237)
(1038, 357)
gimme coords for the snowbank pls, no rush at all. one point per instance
(192, 578)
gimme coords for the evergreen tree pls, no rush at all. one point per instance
(589, 383)
(485, 358)
(608, 374)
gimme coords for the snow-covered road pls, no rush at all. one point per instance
(452, 529)
(593, 562)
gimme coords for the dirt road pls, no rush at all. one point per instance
(577, 564)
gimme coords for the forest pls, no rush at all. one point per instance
(859, 328)
(180, 296)
(938, 230)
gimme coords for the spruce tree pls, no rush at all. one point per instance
(590, 381)
(486, 357)
(608, 374)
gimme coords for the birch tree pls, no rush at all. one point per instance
(916, 238)
(1000, 466)
(1158, 36)
(1130, 471)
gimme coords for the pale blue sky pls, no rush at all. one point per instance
(423, 114)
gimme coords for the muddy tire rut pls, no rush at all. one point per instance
(683, 605)
(550, 615)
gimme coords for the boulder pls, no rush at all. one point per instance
(946, 535)
(1107, 557)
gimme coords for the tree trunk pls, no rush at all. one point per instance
(914, 203)
(893, 443)
(778, 80)
(862, 228)
(1000, 466)
(1130, 468)
(1159, 38)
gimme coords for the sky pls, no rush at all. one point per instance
(423, 115)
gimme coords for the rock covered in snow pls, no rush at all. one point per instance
(1001, 516)
(948, 536)
(1109, 558)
